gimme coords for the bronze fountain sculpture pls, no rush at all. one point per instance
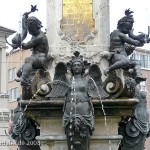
(121, 45)
(33, 73)
(78, 118)
(134, 128)
(81, 88)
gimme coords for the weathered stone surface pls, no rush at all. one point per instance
(112, 107)
(49, 115)
(96, 142)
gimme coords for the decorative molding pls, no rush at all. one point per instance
(53, 108)
(59, 15)
(91, 36)
(63, 36)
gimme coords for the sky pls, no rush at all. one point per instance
(141, 9)
(11, 11)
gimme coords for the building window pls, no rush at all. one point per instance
(143, 58)
(16, 93)
(13, 94)
(11, 74)
(14, 73)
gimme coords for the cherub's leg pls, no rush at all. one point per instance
(27, 69)
(137, 71)
(120, 62)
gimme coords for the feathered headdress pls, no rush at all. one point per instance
(128, 18)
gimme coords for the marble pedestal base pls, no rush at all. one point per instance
(96, 142)
(105, 136)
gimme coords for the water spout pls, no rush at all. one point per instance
(103, 111)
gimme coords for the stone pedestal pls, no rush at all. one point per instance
(105, 136)
(96, 142)
(90, 44)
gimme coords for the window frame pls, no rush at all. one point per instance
(13, 94)
(146, 63)
(12, 74)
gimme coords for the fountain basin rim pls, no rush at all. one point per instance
(63, 137)
(60, 102)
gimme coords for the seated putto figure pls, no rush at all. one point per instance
(39, 47)
(33, 73)
(122, 42)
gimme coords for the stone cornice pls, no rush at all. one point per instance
(6, 30)
(53, 108)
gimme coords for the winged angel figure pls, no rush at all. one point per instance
(78, 119)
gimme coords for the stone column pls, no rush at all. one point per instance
(101, 14)
(93, 44)
(102, 24)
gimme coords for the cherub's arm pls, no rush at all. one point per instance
(32, 42)
(130, 40)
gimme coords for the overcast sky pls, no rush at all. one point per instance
(141, 14)
(11, 11)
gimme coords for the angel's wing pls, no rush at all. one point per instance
(60, 83)
(95, 84)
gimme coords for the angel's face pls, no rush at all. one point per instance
(77, 68)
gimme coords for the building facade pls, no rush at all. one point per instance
(4, 33)
(14, 61)
(4, 111)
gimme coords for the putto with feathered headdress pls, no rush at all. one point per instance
(128, 18)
